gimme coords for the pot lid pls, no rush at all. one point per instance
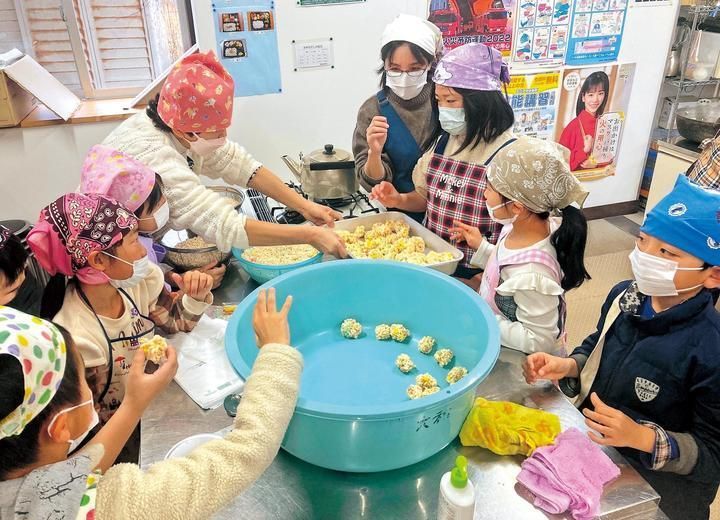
(328, 154)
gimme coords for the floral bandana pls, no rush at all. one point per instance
(473, 66)
(4, 236)
(536, 174)
(40, 349)
(198, 95)
(113, 174)
(74, 226)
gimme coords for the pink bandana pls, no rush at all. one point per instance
(74, 226)
(198, 95)
(116, 175)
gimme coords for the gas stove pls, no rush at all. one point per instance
(259, 206)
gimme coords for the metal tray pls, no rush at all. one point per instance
(432, 241)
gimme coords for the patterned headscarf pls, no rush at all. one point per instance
(116, 175)
(74, 226)
(536, 174)
(41, 351)
(198, 95)
(474, 66)
(5, 235)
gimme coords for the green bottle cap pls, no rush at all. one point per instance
(458, 475)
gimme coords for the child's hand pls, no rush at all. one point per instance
(617, 429)
(464, 233)
(142, 388)
(270, 325)
(544, 366)
(588, 143)
(217, 271)
(195, 284)
(386, 194)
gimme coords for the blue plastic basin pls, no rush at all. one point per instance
(262, 273)
(353, 413)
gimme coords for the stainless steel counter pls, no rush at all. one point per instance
(293, 489)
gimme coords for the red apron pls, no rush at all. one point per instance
(456, 191)
(491, 280)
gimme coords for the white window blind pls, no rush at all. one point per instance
(97, 48)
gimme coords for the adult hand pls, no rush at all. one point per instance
(195, 284)
(376, 134)
(544, 366)
(386, 194)
(617, 429)
(217, 271)
(142, 388)
(328, 242)
(464, 233)
(320, 215)
(271, 325)
(588, 143)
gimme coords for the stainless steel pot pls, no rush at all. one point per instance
(699, 122)
(325, 174)
(672, 65)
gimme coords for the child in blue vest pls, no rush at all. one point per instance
(648, 380)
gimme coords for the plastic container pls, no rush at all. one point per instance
(264, 273)
(353, 413)
(457, 493)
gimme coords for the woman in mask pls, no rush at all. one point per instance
(477, 122)
(183, 135)
(398, 122)
(116, 296)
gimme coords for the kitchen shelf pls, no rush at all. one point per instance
(703, 9)
(688, 83)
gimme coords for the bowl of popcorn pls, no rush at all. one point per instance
(392, 353)
(263, 263)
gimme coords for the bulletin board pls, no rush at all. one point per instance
(246, 38)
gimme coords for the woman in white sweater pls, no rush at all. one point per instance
(183, 135)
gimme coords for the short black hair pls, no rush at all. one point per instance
(389, 49)
(20, 451)
(594, 80)
(13, 257)
(487, 113)
(153, 200)
(152, 113)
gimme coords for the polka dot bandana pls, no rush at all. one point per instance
(40, 349)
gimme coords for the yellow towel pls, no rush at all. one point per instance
(507, 428)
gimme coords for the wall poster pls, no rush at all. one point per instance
(591, 115)
(542, 29)
(534, 99)
(247, 47)
(465, 21)
(596, 31)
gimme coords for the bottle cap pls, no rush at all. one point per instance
(458, 475)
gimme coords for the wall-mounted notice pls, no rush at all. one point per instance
(534, 100)
(313, 54)
(596, 31)
(306, 3)
(247, 44)
(542, 29)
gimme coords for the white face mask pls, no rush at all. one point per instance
(74, 443)
(656, 276)
(141, 270)
(491, 213)
(204, 147)
(405, 85)
(452, 120)
(161, 217)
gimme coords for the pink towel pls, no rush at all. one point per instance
(568, 475)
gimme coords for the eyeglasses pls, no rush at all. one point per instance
(411, 73)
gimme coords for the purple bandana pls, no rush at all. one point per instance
(4, 236)
(472, 66)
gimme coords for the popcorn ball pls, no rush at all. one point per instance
(399, 333)
(414, 391)
(456, 374)
(426, 344)
(444, 356)
(351, 328)
(426, 381)
(404, 363)
(382, 332)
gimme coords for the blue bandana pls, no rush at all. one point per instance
(689, 219)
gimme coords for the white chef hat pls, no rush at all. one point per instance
(415, 30)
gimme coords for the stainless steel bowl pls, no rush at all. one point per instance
(699, 122)
(229, 193)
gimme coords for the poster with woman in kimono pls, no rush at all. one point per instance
(591, 115)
